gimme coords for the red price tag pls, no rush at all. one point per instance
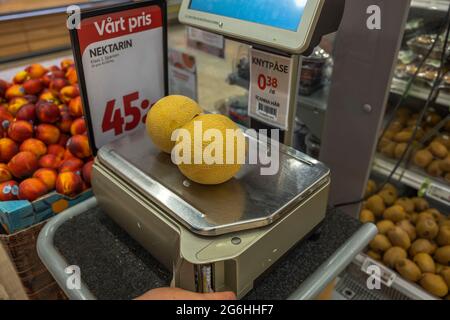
(267, 82)
(129, 114)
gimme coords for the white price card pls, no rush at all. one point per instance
(120, 54)
(270, 83)
(182, 74)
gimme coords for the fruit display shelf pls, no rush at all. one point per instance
(434, 188)
(392, 280)
(399, 86)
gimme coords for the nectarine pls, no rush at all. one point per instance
(75, 107)
(69, 92)
(71, 75)
(78, 126)
(16, 90)
(20, 130)
(47, 176)
(56, 150)
(50, 161)
(47, 112)
(8, 149)
(5, 174)
(20, 77)
(15, 104)
(9, 190)
(48, 95)
(72, 165)
(27, 113)
(36, 71)
(78, 145)
(69, 184)
(47, 133)
(31, 189)
(23, 164)
(34, 145)
(87, 172)
(57, 84)
(3, 87)
(33, 86)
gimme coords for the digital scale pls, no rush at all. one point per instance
(218, 238)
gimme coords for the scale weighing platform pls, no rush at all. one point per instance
(214, 238)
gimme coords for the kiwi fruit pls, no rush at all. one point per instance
(374, 255)
(423, 158)
(389, 149)
(395, 213)
(438, 149)
(439, 268)
(389, 196)
(442, 255)
(425, 262)
(427, 228)
(380, 243)
(395, 127)
(422, 245)
(384, 142)
(434, 284)
(443, 237)
(400, 149)
(366, 216)
(443, 139)
(392, 255)
(420, 204)
(376, 205)
(433, 119)
(445, 164)
(408, 227)
(414, 217)
(424, 215)
(403, 136)
(444, 223)
(408, 270)
(371, 186)
(434, 168)
(384, 226)
(399, 238)
(406, 203)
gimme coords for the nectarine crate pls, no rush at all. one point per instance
(21, 214)
(36, 280)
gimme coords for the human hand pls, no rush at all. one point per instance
(180, 294)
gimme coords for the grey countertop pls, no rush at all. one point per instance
(114, 266)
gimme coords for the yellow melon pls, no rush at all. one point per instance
(212, 156)
(168, 114)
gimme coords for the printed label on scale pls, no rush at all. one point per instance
(270, 88)
(122, 55)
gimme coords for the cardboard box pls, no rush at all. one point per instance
(20, 214)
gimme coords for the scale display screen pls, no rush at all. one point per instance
(283, 14)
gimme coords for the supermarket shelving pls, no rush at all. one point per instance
(435, 188)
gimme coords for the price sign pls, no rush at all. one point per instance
(270, 84)
(121, 60)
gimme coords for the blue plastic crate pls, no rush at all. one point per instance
(20, 214)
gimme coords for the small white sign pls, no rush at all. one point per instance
(270, 83)
(182, 74)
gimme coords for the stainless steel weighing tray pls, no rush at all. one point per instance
(102, 246)
(247, 201)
